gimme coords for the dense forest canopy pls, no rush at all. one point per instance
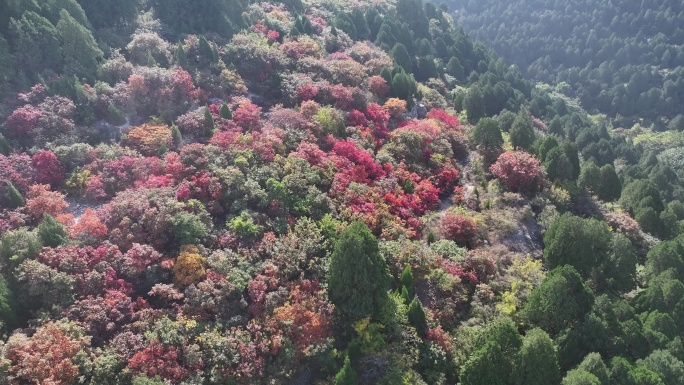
(321, 192)
(622, 58)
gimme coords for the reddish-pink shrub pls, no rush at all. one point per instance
(378, 86)
(247, 115)
(159, 360)
(518, 170)
(21, 125)
(450, 122)
(307, 92)
(458, 228)
(50, 170)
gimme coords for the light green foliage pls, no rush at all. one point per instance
(144, 380)
(670, 368)
(51, 232)
(407, 279)
(17, 246)
(580, 377)
(594, 364)
(537, 362)
(560, 301)
(358, 278)
(189, 228)
(245, 227)
(347, 375)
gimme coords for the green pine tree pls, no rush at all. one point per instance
(181, 57)
(14, 196)
(225, 111)
(176, 135)
(358, 279)
(5, 147)
(347, 375)
(115, 116)
(417, 318)
(209, 120)
(407, 279)
(51, 232)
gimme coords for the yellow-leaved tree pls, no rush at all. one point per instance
(189, 266)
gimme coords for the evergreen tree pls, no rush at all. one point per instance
(522, 132)
(225, 111)
(537, 362)
(401, 57)
(347, 375)
(407, 279)
(176, 135)
(36, 43)
(484, 366)
(487, 135)
(5, 147)
(115, 116)
(560, 301)
(611, 187)
(79, 49)
(590, 178)
(417, 318)
(358, 278)
(14, 196)
(474, 104)
(593, 363)
(209, 120)
(51, 232)
(181, 57)
(7, 316)
(455, 69)
(360, 24)
(582, 243)
(205, 50)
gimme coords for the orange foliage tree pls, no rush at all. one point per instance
(89, 228)
(47, 357)
(189, 266)
(42, 200)
(150, 138)
(395, 107)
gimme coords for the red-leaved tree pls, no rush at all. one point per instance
(50, 169)
(458, 228)
(518, 170)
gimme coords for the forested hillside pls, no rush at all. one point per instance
(318, 192)
(622, 58)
